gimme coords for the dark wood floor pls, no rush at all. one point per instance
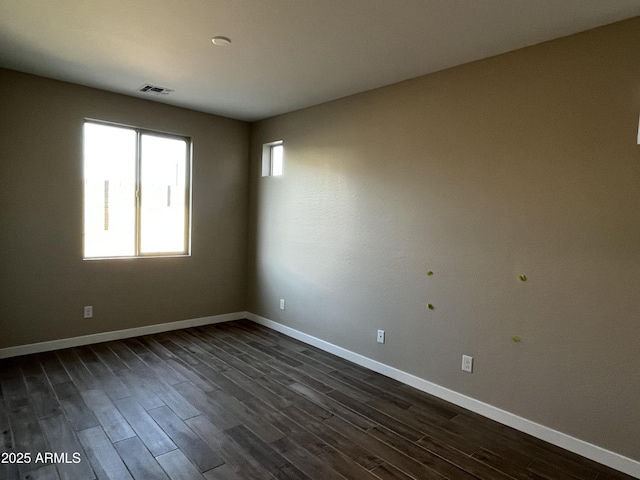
(237, 400)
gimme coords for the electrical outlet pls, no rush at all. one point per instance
(282, 304)
(88, 311)
(467, 363)
(380, 336)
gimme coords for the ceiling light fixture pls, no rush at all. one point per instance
(221, 41)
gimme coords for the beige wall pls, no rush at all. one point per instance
(44, 282)
(525, 163)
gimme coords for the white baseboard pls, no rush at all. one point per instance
(593, 452)
(117, 335)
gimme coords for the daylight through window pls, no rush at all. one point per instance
(136, 192)
(272, 158)
(277, 153)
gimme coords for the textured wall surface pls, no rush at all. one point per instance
(525, 163)
(44, 282)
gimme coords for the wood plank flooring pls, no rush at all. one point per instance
(239, 401)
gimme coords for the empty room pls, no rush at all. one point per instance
(320, 239)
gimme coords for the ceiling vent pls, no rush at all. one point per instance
(147, 88)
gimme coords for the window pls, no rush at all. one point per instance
(272, 158)
(136, 192)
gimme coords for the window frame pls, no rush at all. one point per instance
(188, 203)
(267, 158)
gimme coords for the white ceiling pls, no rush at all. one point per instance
(285, 54)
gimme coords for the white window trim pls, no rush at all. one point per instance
(188, 198)
(267, 157)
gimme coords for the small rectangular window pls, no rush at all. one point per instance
(136, 192)
(277, 154)
(272, 158)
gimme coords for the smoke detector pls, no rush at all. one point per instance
(221, 41)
